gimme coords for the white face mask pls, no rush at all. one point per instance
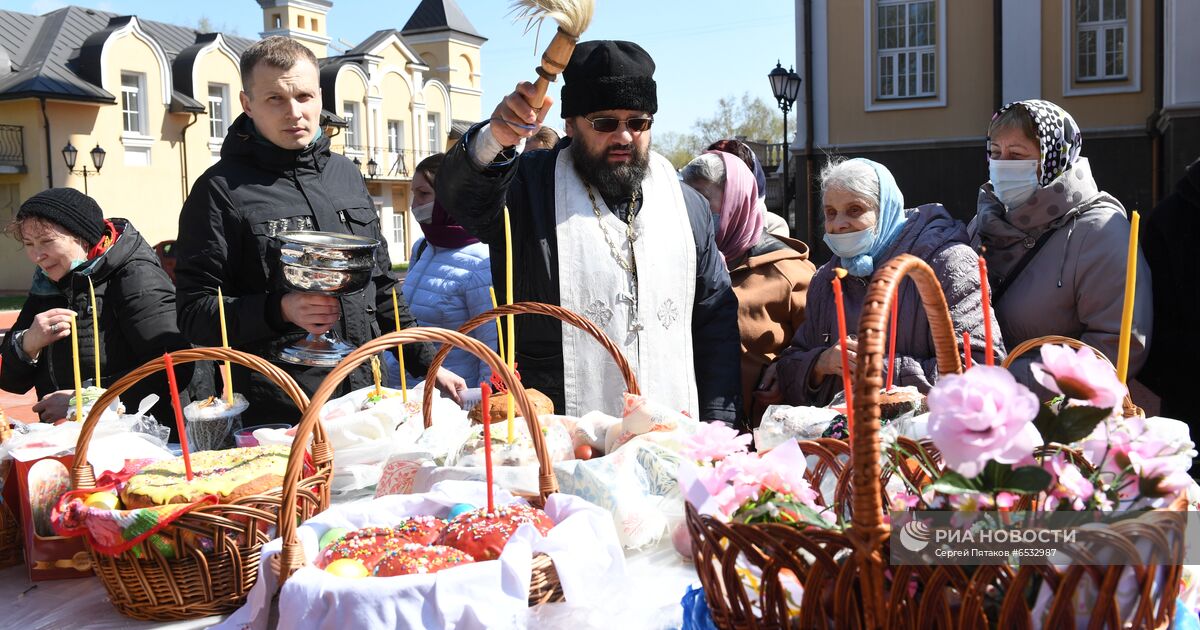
(851, 244)
(1014, 181)
(423, 213)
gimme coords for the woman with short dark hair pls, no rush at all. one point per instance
(65, 234)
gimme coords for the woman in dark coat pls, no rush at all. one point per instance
(866, 225)
(65, 234)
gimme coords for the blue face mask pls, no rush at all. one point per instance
(851, 244)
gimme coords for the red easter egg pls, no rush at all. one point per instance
(583, 451)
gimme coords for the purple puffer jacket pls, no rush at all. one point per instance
(932, 235)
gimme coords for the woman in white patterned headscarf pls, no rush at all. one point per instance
(1055, 244)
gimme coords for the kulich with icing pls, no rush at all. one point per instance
(482, 534)
(230, 474)
(413, 558)
(369, 544)
(498, 406)
(423, 530)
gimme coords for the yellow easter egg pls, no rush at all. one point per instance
(103, 501)
(348, 568)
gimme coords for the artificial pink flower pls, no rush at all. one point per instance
(713, 441)
(981, 416)
(1006, 500)
(904, 501)
(1069, 484)
(1079, 375)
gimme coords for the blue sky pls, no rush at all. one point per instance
(704, 49)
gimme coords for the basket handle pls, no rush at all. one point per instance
(292, 557)
(869, 528)
(534, 308)
(1128, 409)
(82, 475)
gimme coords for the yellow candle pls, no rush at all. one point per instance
(375, 375)
(508, 295)
(75, 363)
(226, 370)
(95, 330)
(499, 331)
(1130, 289)
(400, 348)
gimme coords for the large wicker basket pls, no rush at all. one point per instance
(544, 585)
(534, 308)
(847, 580)
(199, 582)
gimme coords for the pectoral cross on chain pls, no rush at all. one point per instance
(635, 324)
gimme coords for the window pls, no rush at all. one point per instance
(278, 21)
(395, 136)
(435, 133)
(218, 110)
(350, 113)
(132, 103)
(299, 21)
(906, 49)
(313, 24)
(398, 229)
(1101, 29)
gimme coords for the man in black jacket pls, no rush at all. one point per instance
(277, 173)
(636, 268)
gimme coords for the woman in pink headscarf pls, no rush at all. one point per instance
(770, 274)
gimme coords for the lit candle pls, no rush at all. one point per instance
(892, 338)
(226, 369)
(967, 349)
(400, 348)
(375, 375)
(1130, 289)
(75, 363)
(485, 400)
(840, 273)
(508, 294)
(986, 300)
(169, 364)
(499, 331)
(95, 329)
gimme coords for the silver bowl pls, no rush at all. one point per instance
(326, 263)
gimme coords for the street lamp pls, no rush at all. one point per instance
(372, 168)
(70, 154)
(785, 85)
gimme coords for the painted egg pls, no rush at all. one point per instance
(459, 508)
(583, 451)
(332, 535)
(102, 501)
(681, 538)
(348, 568)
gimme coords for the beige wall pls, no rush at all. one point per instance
(435, 103)
(1100, 110)
(350, 87)
(969, 92)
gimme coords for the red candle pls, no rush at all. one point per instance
(892, 338)
(967, 349)
(174, 387)
(486, 393)
(987, 311)
(841, 320)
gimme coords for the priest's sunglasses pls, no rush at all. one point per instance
(609, 125)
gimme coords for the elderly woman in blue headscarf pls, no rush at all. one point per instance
(866, 224)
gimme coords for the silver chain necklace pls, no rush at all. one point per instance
(629, 266)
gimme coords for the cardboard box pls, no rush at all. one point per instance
(31, 489)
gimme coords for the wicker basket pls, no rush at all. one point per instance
(534, 308)
(10, 538)
(201, 582)
(544, 585)
(846, 577)
(1127, 407)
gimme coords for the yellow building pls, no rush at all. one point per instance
(913, 84)
(157, 99)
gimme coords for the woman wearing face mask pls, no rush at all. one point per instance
(866, 225)
(1055, 243)
(769, 274)
(449, 274)
(66, 236)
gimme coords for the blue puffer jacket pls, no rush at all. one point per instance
(445, 288)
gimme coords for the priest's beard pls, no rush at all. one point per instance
(614, 181)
